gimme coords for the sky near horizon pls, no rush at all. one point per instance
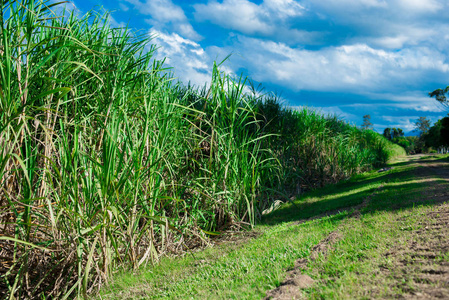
(343, 57)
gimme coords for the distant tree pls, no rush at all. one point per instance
(433, 136)
(393, 133)
(438, 134)
(387, 133)
(367, 122)
(444, 132)
(422, 125)
(440, 95)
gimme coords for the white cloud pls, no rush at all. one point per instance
(164, 13)
(116, 24)
(411, 100)
(284, 8)
(395, 42)
(356, 68)
(241, 15)
(123, 7)
(265, 19)
(421, 107)
(405, 35)
(188, 59)
(187, 30)
(406, 123)
(388, 24)
(351, 4)
(421, 6)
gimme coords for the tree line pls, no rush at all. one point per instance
(430, 138)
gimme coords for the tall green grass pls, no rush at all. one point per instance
(106, 161)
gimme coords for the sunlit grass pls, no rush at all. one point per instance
(250, 268)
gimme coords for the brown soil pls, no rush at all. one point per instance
(421, 267)
(420, 270)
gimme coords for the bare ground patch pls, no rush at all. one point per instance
(421, 268)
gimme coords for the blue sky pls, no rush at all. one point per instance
(345, 57)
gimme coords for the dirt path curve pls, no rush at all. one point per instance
(417, 262)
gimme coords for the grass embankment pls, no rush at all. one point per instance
(106, 161)
(377, 218)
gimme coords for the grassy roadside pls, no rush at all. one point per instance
(356, 266)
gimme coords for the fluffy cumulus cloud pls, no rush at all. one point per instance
(398, 22)
(355, 68)
(421, 6)
(406, 123)
(188, 59)
(411, 101)
(165, 15)
(283, 8)
(241, 15)
(268, 19)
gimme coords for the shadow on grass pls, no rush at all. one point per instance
(332, 199)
